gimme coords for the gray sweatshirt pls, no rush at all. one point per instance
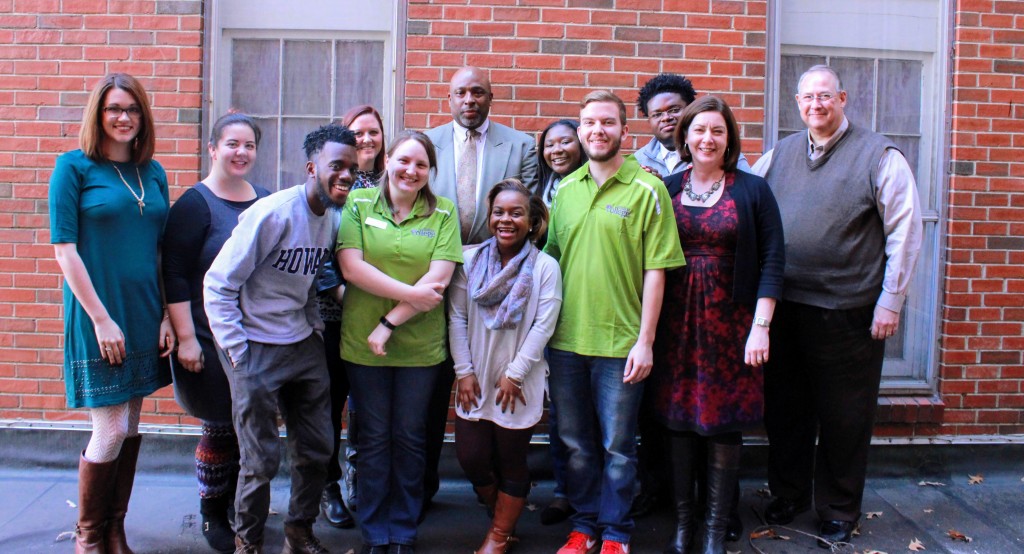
(260, 286)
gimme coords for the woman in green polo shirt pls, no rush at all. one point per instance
(398, 246)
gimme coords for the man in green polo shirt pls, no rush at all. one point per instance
(613, 232)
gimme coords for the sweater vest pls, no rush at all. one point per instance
(835, 241)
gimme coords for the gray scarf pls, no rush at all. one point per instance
(501, 292)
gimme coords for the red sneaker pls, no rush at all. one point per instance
(579, 543)
(612, 547)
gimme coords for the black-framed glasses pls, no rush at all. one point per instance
(116, 112)
(674, 111)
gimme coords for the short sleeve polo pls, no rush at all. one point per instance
(403, 251)
(604, 239)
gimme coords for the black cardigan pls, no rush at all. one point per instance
(760, 246)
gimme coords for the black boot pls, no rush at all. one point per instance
(723, 473)
(681, 450)
(334, 509)
(348, 470)
(216, 527)
(734, 531)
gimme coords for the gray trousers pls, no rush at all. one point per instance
(293, 378)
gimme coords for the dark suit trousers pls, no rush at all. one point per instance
(821, 382)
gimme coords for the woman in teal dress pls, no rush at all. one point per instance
(108, 204)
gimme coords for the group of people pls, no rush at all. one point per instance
(673, 294)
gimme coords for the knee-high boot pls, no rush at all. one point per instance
(93, 498)
(506, 513)
(723, 473)
(121, 493)
(681, 451)
(488, 496)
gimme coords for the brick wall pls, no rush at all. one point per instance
(983, 315)
(545, 55)
(52, 52)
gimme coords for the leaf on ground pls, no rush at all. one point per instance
(855, 532)
(915, 545)
(71, 504)
(532, 507)
(872, 515)
(931, 484)
(273, 512)
(65, 536)
(929, 510)
(976, 479)
(764, 493)
(958, 536)
(762, 534)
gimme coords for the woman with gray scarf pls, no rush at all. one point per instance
(504, 304)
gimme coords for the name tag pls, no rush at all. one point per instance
(372, 222)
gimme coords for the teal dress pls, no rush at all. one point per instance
(91, 207)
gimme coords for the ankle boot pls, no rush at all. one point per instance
(506, 513)
(93, 497)
(348, 470)
(299, 539)
(681, 450)
(124, 480)
(216, 527)
(488, 496)
(723, 472)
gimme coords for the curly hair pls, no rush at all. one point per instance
(665, 82)
(331, 132)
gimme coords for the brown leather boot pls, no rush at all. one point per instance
(488, 495)
(506, 514)
(124, 480)
(93, 497)
(242, 547)
(299, 539)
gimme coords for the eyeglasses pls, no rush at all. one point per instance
(117, 111)
(674, 111)
(824, 97)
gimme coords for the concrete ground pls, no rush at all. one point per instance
(38, 486)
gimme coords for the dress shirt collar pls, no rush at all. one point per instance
(460, 131)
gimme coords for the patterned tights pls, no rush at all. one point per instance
(217, 460)
(110, 426)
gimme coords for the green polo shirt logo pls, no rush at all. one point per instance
(620, 211)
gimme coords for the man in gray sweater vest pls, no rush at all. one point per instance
(852, 224)
(260, 298)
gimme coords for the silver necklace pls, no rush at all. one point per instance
(138, 199)
(702, 198)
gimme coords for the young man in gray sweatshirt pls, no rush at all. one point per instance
(260, 299)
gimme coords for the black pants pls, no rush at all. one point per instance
(821, 382)
(339, 393)
(491, 454)
(437, 421)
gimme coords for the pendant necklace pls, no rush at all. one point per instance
(138, 199)
(703, 197)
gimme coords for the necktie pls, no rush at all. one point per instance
(465, 176)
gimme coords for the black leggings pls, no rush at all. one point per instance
(488, 452)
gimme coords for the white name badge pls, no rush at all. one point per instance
(376, 223)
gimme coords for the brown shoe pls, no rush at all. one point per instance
(242, 547)
(124, 480)
(299, 539)
(93, 497)
(506, 514)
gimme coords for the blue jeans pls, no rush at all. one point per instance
(597, 420)
(392, 440)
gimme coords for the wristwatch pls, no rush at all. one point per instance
(762, 322)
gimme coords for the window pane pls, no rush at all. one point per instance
(790, 70)
(360, 75)
(911, 148)
(264, 173)
(293, 158)
(254, 76)
(307, 77)
(899, 96)
(858, 75)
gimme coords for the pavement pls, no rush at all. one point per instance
(38, 489)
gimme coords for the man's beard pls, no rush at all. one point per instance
(325, 198)
(612, 152)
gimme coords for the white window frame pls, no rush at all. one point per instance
(815, 28)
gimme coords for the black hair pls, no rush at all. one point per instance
(543, 170)
(538, 210)
(332, 132)
(665, 82)
(233, 118)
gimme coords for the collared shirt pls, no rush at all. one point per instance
(897, 202)
(669, 157)
(604, 239)
(402, 250)
(459, 138)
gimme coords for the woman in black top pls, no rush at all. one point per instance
(197, 226)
